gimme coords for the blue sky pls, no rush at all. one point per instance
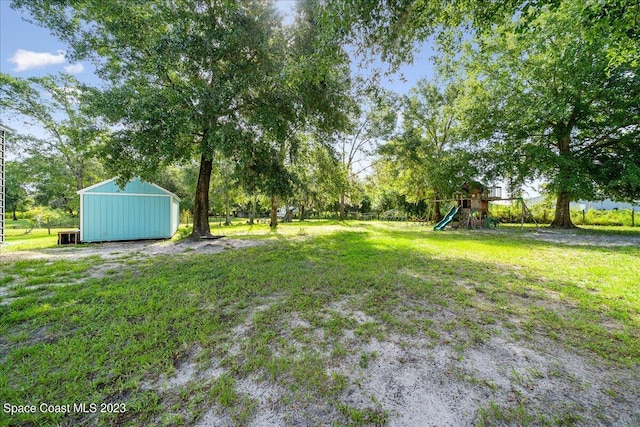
(27, 50)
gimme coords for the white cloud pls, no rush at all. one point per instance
(74, 68)
(26, 60)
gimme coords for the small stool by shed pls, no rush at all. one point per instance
(69, 237)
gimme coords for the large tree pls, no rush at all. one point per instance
(191, 78)
(307, 95)
(372, 123)
(71, 137)
(550, 104)
(321, 176)
(430, 151)
(17, 181)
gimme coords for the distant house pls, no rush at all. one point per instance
(140, 210)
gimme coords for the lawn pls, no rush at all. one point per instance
(327, 323)
(37, 238)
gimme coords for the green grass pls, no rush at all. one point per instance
(101, 339)
(38, 238)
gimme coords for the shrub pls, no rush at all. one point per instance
(45, 217)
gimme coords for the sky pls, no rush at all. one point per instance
(27, 50)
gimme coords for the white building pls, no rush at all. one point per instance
(606, 204)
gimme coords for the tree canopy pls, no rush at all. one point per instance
(193, 78)
(430, 150)
(542, 88)
(391, 28)
(547, 103)
(64, 157)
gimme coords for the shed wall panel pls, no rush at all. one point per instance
(175, 215)
(126, 217)
(141, 210)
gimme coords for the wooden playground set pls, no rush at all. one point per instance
(471, 208)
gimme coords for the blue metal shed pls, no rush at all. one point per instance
(139, 211)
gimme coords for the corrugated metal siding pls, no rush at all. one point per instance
(121, 217)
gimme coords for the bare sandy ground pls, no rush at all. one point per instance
(113, 250)
(579, 238)
(422, 383)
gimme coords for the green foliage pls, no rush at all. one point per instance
(16, 181)
(319, 175)
(545, 103)
(52, 186)
(551, 88)
(543, 214)
(620, 217)
(387, 191)
(180, 180)
(199, 79)
(373, 121)
(430, 153)
(393, 28)
(44, 216)
(65, 160)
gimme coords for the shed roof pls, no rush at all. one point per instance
(112, 181)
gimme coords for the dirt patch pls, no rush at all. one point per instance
(580, 238)
(142, 248)
(418, 383)
(410, 381)
(114, 256)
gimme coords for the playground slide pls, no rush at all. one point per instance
(447, 218)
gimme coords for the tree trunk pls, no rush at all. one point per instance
(252, 214)
(342, 207)
(79, 181)
(562, 217)
(226, 202)
(201, 202)
(633, 216)
(436, 211)
(274, 213)
(563, 214)
(302, 213)
(15, 218)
